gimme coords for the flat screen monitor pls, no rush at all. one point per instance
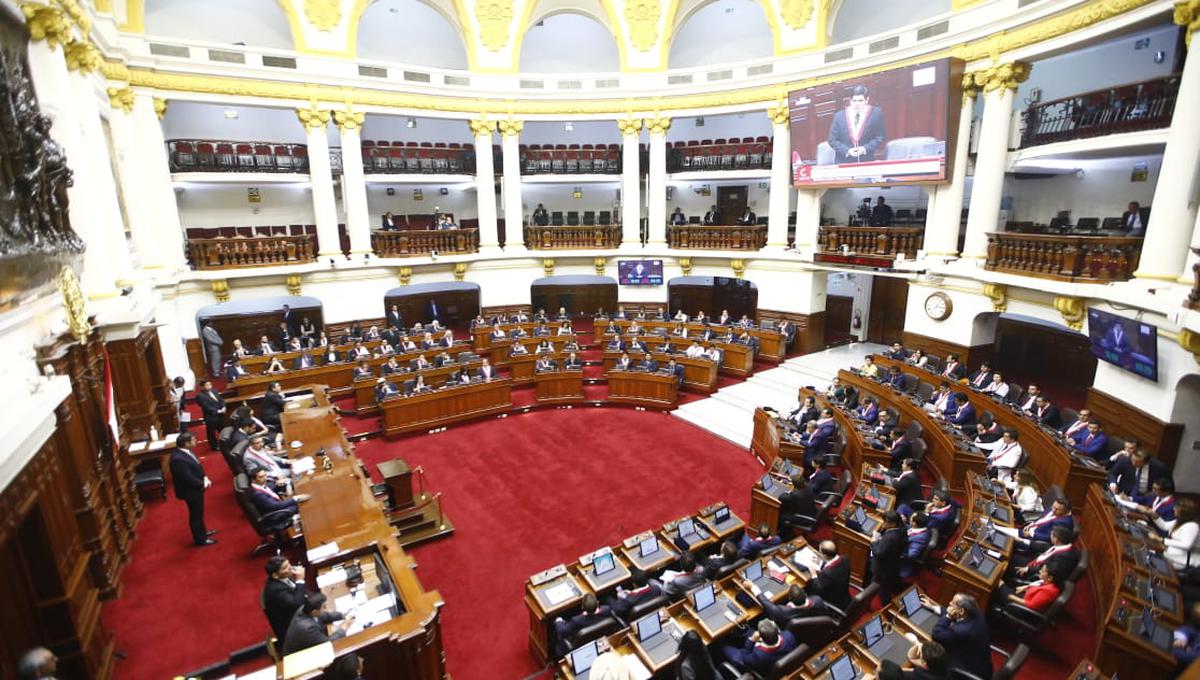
(687, 527)
(976, 555)
(842, 669)
(648, 627)
(879, 129)
(860, 516)
(603, 563)
(640, 272)
(704, 598)
(911, 601)
(767, 483)
(873, 631)
(722, 515)
(648, 547)
(583, 658)
(1128, 343)
(1148, 626)
(753, 571)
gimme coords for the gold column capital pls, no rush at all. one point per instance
(738, 266)
(481, 127)
(121, 98)
(629, 126)
(220, 288)
(511, 127)
(599, 263)
(160, 107)
(82, 56)
(658, 126)
(998, 294)
(313, 118)
(293, 284)
(348, 120)
(460, 271)
(1187, 14)
(969, 88)
(73, 303)
(405, 274)
(685, 264)
(1072, 309)
(548, 266)
(46, 23)
(1008, 75)
(778, 114)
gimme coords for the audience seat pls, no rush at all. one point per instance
(1029, 623)
(782, 667)
(602, 628)
(278, 541)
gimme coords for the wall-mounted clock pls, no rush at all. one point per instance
(938, 306)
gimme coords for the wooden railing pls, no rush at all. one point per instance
(423, 242)
(1138, 106)
(695, 236)
(873, 240)
(256, 251)
(1064, 258)
(573, 238)
(201, 155)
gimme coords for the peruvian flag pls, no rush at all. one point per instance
(110, 403)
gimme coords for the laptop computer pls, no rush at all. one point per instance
(659, 643)
(843, 669)
(583, 658)
(1159, 635)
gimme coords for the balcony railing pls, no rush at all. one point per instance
(424, 242)
(573, 238)
(747, 153)
(1064, 258)
(379, 157)
(257, 251)
(197, 155)
(698, 237)
(890, 241)
(539, 160)
(1128, 108)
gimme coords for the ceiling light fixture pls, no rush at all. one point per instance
(231, 113)
(569, 127)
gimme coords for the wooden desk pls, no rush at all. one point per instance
(698, 374)
(364, 388)
(853, 544)
(482, 335)
(1049, 461)
(655, 390)
(544, 604)
(343, 511)
(722, 530)
(335, 376)
(559, 387)
(619, 643)
(696, 542)
(500, 354)
(772, 344)
(735, 358)
(446, 406)
(630, 550)
(959, 574)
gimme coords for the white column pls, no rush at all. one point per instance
(354, 185)
(945, 217)
(157, 188)
(514, 208)
(132, 175)
(781, 180)
(631, 209)
(485, 188)
(320, 173)
(1173, 211)
(999, 84)
(656, 184)
(1188, 276)
(808, 219)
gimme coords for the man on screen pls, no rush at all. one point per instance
(639, 271)
(858, 131)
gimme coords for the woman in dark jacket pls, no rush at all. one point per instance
(694, 661)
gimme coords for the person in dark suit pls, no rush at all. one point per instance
(859, 130)
(310, 625)
(384, 390)
(544, 365)
(748, 217)
(726, 557)
(805, 411)
(616, 344)
(942, 511)
(1133, 475)
(283, 594)
(819, 481)
(980, 378)
(1037, 536)
(795, 606)
(752, 546)
(641, 589)
(638, 345)
(815, 440)
(674, 369)
(190, 482)
(1134, 219)
(690, 575)
(677, 217)
(395, 319)
(963, 631)
(832, 581)
(277, 511)
(928, 662)
(388, 222)
(907, 484)
(485, 371)
(213, 407)
(964, 414)
(761, 648)
(331, 356)
(648, 364)
(572, 363)
(796, 504)
(1093, 443)
(592, 613)
(234, 369)
(624, 363)
(1046, 413)
(713, 216)
(213, 347)
(900, 448)
(541, 217)
(887, 548)
(953, 369)
(392, 366)
(918, 535)
(897, 352)
(435, 311)
(881, 214)
(894, 378)
(695, 662)
(273, 405)
(1061, 558)
(290, 321)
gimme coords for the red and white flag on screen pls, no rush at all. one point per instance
(110, 403)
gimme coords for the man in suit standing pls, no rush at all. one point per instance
(795, 505)
(832, 581)
(674, 369)
(290, 321)
(918, 539)
(887, 548)
(310, 625)
(859, 130)
(435, 311)
(963, 631)
(273, 405)
(394, 318)
(283, 594)
(187, 475)
(213, 407)
(907, 484)
(213, 345)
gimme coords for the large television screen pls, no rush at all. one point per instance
(885, 128)
(1127, 343)
(640, 272)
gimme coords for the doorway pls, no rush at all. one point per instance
(731, 201)
(889, 302)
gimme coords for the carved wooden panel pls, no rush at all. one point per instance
(1158, 438)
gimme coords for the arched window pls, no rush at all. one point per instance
(411, 32)
(257, 23)
(569, 43)
(719, 33)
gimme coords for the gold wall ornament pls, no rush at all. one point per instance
(548, 266)
(629, 126)
(160, 107)
(1041, 31)
(969, 88)
(313, 118)
(46, 23)
(121, 98)
(738, 266)
(797, 13)
(511, 127)
(115, 70)
(460, 271)
(599, 263)
(495, 20)
(82, 56)
(998, 294)
(405, 274)
(642, 17)
(658, 126)
(1190, 341)
(77, 14)
(293, 282)
(1072, 310)
(220, 288)
(481, 127)
(74, 303)
(1008, 75)
(1187, 14)
(325, 15)
(778, 114)
(685, 265)
(348, 120)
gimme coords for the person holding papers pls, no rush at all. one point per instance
(831, 580)
(309, 627)
(1159, 503)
